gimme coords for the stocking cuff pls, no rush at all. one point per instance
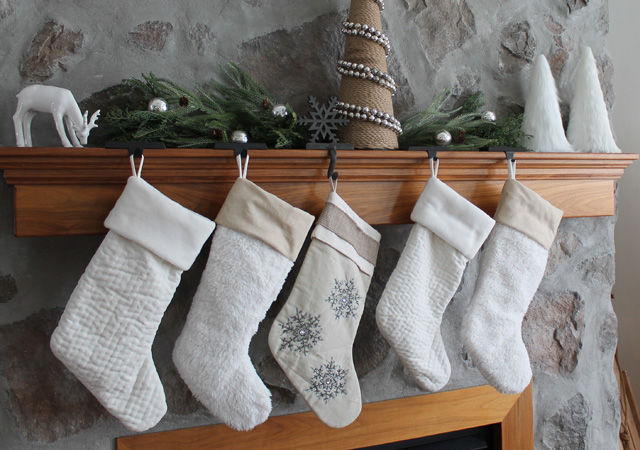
(524, 210)
(341, 228)
(451, 217)
(148, 217)
(251, 210)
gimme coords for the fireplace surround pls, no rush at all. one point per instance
(379, 423)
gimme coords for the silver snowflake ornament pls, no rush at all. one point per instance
(328, 381)
(344, 299)
(300, 333)
(323, 121)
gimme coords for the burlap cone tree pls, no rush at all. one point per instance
(366, 88)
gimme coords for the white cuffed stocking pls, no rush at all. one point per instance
(105, 334)
(257, 240)
(449, 231)
(312, 336)
(511, 268)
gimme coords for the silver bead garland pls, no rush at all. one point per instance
(368, 114)
(367, 73)
(367, 32)
(380, 4)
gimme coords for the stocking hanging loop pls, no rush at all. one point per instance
(332, 175)
(512, 168)
(133, 164)
(242, 170)
(434, 163)
(511, 164)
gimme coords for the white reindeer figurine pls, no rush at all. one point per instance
(62, 105)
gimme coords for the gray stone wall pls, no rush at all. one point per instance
(570, 329)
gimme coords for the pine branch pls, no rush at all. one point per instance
(205, 117)
(469, 131)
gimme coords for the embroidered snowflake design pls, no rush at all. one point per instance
(344, 299)
(328, 381)
(323, 121)
(301, 332)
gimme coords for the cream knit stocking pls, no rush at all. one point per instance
(448, 232)
(105, 333)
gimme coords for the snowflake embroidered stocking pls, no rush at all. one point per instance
(257, 239)
(312, 336)
(511, 268)
(105, 334)
(449, 231)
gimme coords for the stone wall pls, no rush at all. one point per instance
(570, 329)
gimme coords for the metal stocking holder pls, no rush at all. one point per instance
(509, 153)
(136, 150)
(332, 175)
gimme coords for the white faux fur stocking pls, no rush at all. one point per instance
(449, 231)
(312, 336)
(258, 238)
(511, 268)
(105, 334)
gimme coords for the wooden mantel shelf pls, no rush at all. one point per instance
(62, 191)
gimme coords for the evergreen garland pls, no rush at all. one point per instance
(200, 119)
(468, 129)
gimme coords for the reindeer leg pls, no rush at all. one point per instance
(26, 124)
(60, 127)
(72, 132)
(17, 124)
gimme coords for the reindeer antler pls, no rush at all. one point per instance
(92, 123)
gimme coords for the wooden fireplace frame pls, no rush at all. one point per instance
(378, 423)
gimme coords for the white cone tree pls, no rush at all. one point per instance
(542, 118)
(589, 128)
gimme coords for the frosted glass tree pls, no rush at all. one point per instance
(366, 88)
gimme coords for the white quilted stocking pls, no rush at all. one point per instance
(258, 238)
(105, 334)
(449, 231)
(312, 336)
(511, 269)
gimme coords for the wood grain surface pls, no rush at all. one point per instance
(378, 423)
(62, 191)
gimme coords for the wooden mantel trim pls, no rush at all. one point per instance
(378, 423)
(62, 191)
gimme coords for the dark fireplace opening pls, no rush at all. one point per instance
(481, 438)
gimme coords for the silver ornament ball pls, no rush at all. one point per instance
(239, 136)
(489, 116)
(157, 104)
(280, 110)
(443, 138)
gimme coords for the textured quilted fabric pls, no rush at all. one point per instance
(105, 333)
(410, 310)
